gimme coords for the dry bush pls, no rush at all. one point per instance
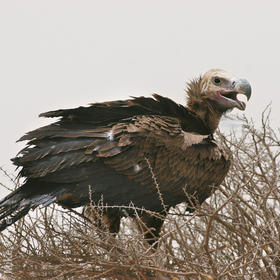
(234, 235)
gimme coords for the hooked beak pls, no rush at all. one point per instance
(227, 98)
(242, 86)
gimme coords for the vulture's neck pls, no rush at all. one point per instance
(207, 114)
(202, 107)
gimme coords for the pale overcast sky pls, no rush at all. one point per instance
(62, 53)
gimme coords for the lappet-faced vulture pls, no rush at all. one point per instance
(148, 152)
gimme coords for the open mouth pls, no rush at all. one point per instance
(230, 94)
(226, 98)
(229, 99)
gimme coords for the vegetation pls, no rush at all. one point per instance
(235, 234)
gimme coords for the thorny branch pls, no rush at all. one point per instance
(235, 234)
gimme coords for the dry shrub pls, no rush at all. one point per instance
(233, 235)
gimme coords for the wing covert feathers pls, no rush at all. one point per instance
(117, 147)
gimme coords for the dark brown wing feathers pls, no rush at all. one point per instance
(112, 112)
(116, 147)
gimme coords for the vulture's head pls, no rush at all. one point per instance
(218, 90)
(215, 93)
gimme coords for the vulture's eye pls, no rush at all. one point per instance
(217, 80)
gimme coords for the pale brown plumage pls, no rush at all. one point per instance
(118, 148)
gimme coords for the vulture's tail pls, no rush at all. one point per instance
(18, 203)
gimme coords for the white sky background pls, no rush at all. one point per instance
(60, 54)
